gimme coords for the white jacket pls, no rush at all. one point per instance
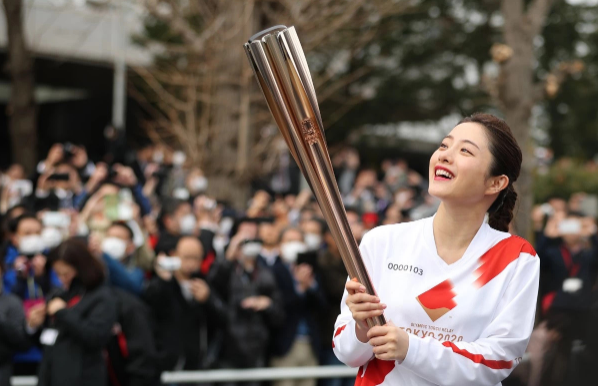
(468, 322)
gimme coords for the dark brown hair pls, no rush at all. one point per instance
(74, 252)
(506, 159)
(125, 226)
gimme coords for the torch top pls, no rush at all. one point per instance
(261, 34)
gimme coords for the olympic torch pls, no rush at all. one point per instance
(279, 64)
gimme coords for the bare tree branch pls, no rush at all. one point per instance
(512, 11)
(200, 92)
(536, 13)
(159, 89)
(180, 25)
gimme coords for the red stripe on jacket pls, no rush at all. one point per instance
(478, 358)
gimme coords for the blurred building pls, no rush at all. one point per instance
(414, 141)
(77, 46)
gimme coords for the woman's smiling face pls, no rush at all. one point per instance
(460, 166)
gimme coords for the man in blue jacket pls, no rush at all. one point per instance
(117, 251)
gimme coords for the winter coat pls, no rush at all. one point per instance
(84, 329)
(13, 336)
(248, 332)
(132, 353)
(185, 330)
(298, 307)
(334, 277)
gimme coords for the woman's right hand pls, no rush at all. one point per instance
(363, 306)
(36, 316)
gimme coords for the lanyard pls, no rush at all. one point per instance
(572, 268)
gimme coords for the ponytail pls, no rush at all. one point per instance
(501, 211)
(506, 160)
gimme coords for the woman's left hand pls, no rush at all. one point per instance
(389, 341)
(55, 305)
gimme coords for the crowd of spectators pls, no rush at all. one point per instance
(563, 348)
(116, 272)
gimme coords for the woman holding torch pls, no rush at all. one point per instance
(459, 292)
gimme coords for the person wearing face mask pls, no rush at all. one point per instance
(70, 154)
(296, 342)
(176, 220)
(117, 252)
(57, 188)
(26, 277)
(24, 257)
(136, 364)
(115, 177)
(188, 313)
(314, 233)
(51, 237)
(196, 182)
(270, 236)
(79, 321)
(568, 247)
(208, 213)
(13, 187)
(254, 306)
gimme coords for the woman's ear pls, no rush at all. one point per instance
(497, 184)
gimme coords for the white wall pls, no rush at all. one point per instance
(78, 30)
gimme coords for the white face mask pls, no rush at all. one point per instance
(219, 243)
(187, 224)
(180, 194)
(51, 237)
(290, 251)
(178, 158)
(62, 193)
(251, 250)
(158, 157)
(198, 184)
(114, 247)
(313, 241)
(125, 211)
(186, 290)
(226, 224)
(31, 245)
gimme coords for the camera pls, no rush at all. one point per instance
(570, 227)
(68, 151)
(111, 174)
(169, 264)
(56, 220)
(59, 177)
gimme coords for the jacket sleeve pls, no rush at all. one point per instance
(94, 329)
(217, 309)
(12, 326)
(316, 299)
(348, 349)
(275, 313)
(119, 276)
(219, 277)
(141, 364)
(141, 200)
(492, 357)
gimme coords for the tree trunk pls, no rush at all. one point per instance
(518, 103)
(229, 150)
(21, 109)
(517, 92)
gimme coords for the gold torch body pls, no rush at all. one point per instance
(280, 67)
